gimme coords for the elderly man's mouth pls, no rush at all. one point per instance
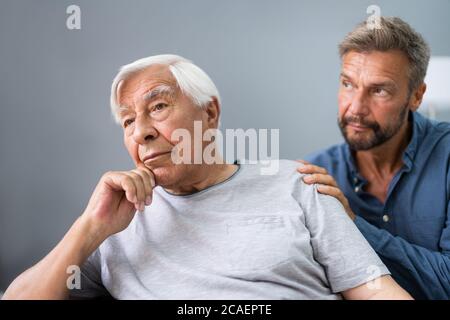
(155, 156)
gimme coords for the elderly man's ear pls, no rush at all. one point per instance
(417, 96)
(213, 113)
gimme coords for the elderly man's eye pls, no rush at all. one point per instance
(159, 107)
(346, 84)
(127, 122)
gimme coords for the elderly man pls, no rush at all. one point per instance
(394, 167)
(209, 231)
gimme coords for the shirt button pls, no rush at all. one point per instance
(357, 189)
(355, 180)
(386, 218)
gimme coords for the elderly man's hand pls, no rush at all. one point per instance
(116, 198)
(326, 183)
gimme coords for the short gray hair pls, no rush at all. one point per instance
(394, 33)
(191, 80)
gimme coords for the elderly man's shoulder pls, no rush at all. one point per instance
(279, 169)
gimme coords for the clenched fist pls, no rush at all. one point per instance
(116, 198)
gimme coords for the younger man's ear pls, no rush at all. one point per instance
(417, 97)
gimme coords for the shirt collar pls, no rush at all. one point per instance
(349, 159)
(418, 133)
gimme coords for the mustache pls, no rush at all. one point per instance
(358, 121)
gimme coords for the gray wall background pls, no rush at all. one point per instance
(274, 62)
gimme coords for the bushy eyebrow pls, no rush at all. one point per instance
(122, 111)
(343, 75)
(385, 84)
(157, 92)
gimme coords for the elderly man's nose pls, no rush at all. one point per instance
(144, 131)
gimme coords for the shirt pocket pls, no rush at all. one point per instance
(256, 243)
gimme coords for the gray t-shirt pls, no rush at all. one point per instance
(250, 237)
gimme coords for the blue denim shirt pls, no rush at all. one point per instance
(411, 230)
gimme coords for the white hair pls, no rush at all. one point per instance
(191, 80)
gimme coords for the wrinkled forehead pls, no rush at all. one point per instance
(138, 85)
(391, 64)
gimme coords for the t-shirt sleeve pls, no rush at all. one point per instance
(348, 259)
(91, 286)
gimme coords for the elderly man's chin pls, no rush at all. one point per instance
(167, 174)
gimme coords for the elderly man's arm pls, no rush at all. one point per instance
(110, 210)
(382, 288)
(47, 279)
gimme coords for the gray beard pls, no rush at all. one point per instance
(380, 135)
